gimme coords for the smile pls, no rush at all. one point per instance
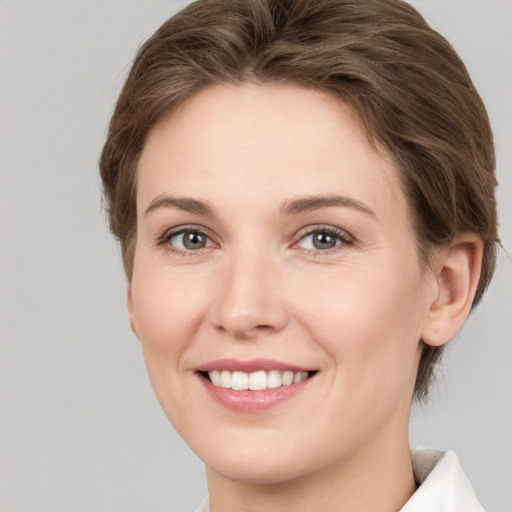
(253, 386)
(255, 381)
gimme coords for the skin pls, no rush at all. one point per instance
(260, 289)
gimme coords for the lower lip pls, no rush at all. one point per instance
(253, 401)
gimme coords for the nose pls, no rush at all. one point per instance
(250, 300)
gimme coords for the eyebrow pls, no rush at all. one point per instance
(290, 207)
(183, 203)
(311, 203)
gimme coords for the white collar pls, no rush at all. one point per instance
(443, 485)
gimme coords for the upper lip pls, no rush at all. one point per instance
(249, 366)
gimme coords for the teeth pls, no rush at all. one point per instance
(258, 381)
(215, 377)
(287, 378)
(255, 381)
(274, 379)
(239, 381)
(225, 379)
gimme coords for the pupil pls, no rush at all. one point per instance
(324, 241)
(192, 240)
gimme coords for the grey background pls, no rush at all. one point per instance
(80, 429)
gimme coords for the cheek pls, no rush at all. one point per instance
(167, 311)
(368, 321)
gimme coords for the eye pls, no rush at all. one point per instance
(323, 239)
(188, 240)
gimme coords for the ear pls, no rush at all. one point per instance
(456, 273)
(131, 313)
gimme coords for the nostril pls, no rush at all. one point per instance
(241, 330)
(246, 319)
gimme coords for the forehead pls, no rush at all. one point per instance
(264, 141)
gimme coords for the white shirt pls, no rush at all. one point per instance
(443, 485)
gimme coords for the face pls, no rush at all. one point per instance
(275, 252)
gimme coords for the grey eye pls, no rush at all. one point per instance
(190, 240)
(324, 241)
(321, 240)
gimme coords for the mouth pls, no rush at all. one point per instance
(255, 381)
(253, 386)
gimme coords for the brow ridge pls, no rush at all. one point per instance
(183, 203)
(294, 206)
(304, 204)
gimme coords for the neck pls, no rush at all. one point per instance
(376, 477)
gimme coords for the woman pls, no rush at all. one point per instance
(304, 196)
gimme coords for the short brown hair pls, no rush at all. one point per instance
(410, 88)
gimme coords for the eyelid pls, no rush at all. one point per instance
(345, 238)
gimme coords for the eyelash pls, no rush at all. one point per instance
(344, 238)
(168, 235)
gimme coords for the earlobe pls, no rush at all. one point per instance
(457, 273)
(130, 308)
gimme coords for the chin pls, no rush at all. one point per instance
(260, 458)
(257, 470)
